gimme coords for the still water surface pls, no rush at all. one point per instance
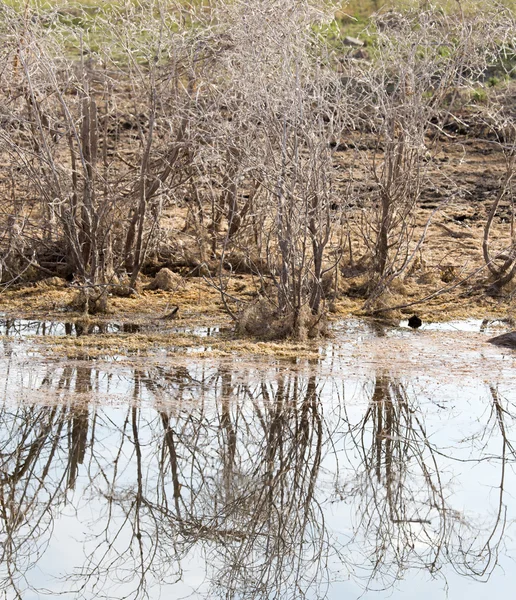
(383, 469)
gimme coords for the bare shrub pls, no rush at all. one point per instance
(499, 239)
(279, 92)
(210, 131)
(423, 58)
(98, 179)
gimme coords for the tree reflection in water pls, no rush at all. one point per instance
(236, 468)
(235, 477)
(404, 518)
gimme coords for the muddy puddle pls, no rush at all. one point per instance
(383, 468)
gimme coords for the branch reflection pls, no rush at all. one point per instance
(232, 479)
(221, 481)
(404, 498)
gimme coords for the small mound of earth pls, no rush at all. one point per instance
(506, 340)
(165, 280)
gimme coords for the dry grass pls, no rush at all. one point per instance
(90, 347)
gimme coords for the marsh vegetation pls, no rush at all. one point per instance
(192, 195)
(228, 138)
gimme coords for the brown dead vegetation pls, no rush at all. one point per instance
(448, 265)
(393, 200)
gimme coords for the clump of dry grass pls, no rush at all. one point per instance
(263, 320)
(89, 301)
(165, 280)
(51, 282)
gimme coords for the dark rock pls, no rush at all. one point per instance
(415, 322)
(506, 340)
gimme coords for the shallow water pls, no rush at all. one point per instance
(30, 327)
(385, 468)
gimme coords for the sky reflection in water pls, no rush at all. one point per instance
(199, 478)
